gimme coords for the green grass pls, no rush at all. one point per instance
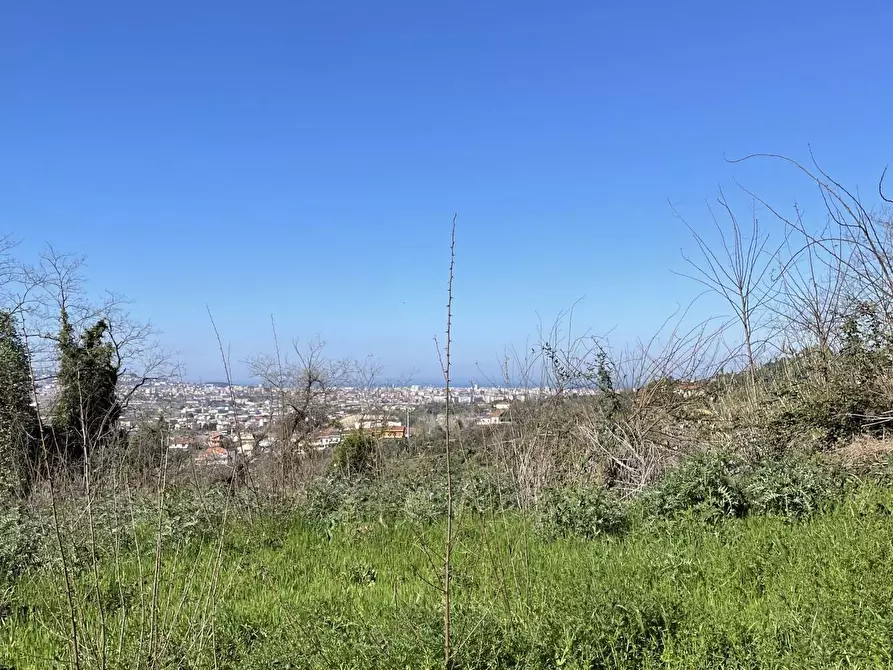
(757, 592)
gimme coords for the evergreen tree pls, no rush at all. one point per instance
(87, 407)
(18, 417)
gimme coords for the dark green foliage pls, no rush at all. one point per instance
(87, 409)
(821, 405)
(714, 486)
(482, 491)
(792, 486)
(342, 500)
(825, 413)
(355, 455)
(584, 512)
(411, 496)
(18, 418)
(325, 500)
(20, 542)
(425, 504)
(707, 486)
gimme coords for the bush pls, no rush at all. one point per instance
(355, 454)
(585, 513)
(818, 414)
(424, 505)
(836, 397)
(792, 487)
(707, 486)
(325, 499)
(19, 542)
(481, 492)
(338, 500)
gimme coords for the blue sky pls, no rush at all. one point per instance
(304, 158)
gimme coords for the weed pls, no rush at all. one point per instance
(584, 513)
(793, 487)
(706, 486)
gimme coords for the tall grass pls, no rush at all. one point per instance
(757, 592)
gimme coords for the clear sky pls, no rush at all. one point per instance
(304, 158)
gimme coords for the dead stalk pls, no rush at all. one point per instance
(448, 541)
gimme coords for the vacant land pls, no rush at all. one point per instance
(281, 592)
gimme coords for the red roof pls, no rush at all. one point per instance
(215, 451)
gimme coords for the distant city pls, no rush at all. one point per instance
(208, 416)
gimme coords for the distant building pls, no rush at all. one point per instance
(325, 438)
(245, 445)
(492, 419)
(367, 421)
(691, 389)
(180, 443)
(213, 456)
(390, 432)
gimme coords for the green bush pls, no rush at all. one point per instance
(585, 513)
(792, 487)
(339, 500)
(19, 542)
(818, 414)
(424, 505)
(482, 491)
(327, 499)
(355, 455)
(707, 486)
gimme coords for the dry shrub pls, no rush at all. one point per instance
(598, 417)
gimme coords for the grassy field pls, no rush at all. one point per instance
(758, 592)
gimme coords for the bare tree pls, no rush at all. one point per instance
(812, 292)
(857, 242)
(739, 270)
(304, 383)
(55, 311)
(56, 283)
(594, 414)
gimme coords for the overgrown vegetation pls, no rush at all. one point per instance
(716, 496)
(678, 593)
(355, 455)
(18, 419)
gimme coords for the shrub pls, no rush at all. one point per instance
(424, 505)
(835, 397)
(19, 542)
(324, 499)
(818, 413)
(189, 520)
(792, 487)
(585, 513)
(483, 492)
(355, 454)
(338, 500)
(707, 486)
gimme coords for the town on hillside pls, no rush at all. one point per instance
(217, 423)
